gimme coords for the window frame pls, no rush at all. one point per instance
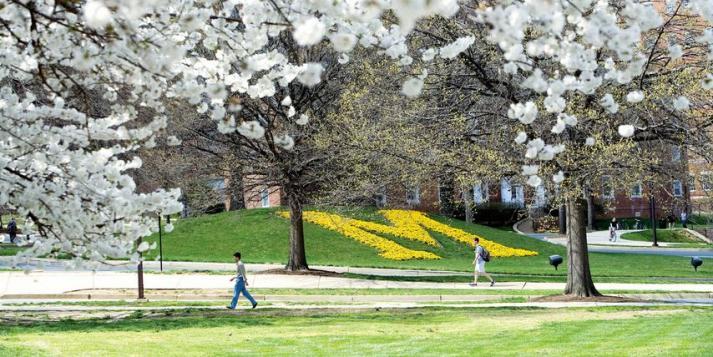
(680, 188)
(641, 191)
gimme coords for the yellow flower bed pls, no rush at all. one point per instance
(406, 224)
(387, 248)
(495, 249)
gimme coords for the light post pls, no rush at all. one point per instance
(160, 243)
(652, 213)
(140, 271)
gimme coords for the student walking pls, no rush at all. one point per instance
(612, 232)
(481, 256)
(12, 230)
(240, 284)
(684, 219)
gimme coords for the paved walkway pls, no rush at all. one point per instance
(378, 305)
(599, 243)
(123, 266)
(39, 283)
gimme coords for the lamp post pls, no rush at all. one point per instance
(140, 270)
(160, 243)
(652, 213)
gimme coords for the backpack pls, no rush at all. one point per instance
(485, 255)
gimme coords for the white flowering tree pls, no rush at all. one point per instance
(79, 91)
(57, 56)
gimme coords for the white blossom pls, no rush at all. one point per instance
(285, 141)
(309, 31)
(558, 177)
(528, 170)
(302, 120)
(97, 14)
(681, 104)
(343, 42)
(412, 87)
(311, 74)
(521, 137)
(635, 97)
(456, 47)
(251, 129)
(590, 141)
(534, 181)
(626, 131)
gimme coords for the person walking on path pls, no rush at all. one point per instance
(612, 232)
(481, 256)
(241, 284)
(12, 230)
(684, 219)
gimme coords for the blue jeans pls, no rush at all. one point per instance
(240, 288)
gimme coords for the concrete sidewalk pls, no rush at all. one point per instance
(38, 283)
(122, 266)
(602, 238)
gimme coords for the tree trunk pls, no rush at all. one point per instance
(468, 203)
(298, 259)
(562, 220)
(590, 211)
(579, 277)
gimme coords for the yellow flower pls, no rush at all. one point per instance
(406, 224)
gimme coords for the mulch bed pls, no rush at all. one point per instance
(572, 298)
(315, 272)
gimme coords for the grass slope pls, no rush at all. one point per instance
(262, 236)
(436, 331)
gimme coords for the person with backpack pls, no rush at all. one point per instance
(481, 257)
(12, 230)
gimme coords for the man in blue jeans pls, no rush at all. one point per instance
(241, 284)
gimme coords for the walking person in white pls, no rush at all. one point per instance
(481, 256)
(241, 284)
(612, 232)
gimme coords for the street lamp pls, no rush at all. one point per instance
(652, 214)
(160, 243)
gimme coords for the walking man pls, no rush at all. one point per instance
(684, 219)
(241, 284)
(12, 230)
(481, 256)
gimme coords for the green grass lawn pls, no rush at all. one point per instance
(424, 331)
(662, 235)
(262, 236)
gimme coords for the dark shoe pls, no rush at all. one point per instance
(473, 284)
(492, 282)
(254, 305)
(230, 308)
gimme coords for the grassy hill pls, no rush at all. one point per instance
(262, 236)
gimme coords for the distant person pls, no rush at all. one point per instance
(615, 223)
(481, 256)
(241, 284)
(671, 221)
(612, 231)
(684, 219)
(12, 229)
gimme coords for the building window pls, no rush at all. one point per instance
(540, 196)
(636, 190)
(607, 189)
(413, 196)
(676, 154)
(707, 182)
(677, 188)
(265, 198)
(691, 183)
(480, 193)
